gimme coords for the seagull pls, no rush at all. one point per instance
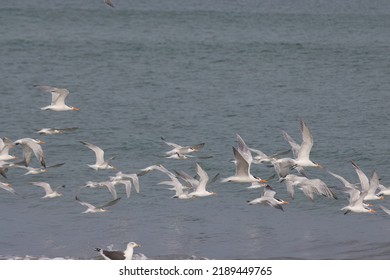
(181, 156)
(7, 187)
(282, 167)
(158, 167)
(268, 198)
(357, 205)
(262, 158)
(119, 255)
(180, 192)
(243, 162)
(58, 96)
(97, 209)
(383, 190)
(181, 150)
(104, 184)
(316, 186)
(200, 190)
(352, 190)
(257, 185)
(308, 186)
(193, 182)
(39, 170)
(48, 190)
(109, 3)
(30, 146)
(122, 178)
(100, 162)
(303, 157)
(242, 159)
(291, 181)
(369, 186)
(51, 131)
(301, 152)
(5, 145)
(189, 181)
(295, 147)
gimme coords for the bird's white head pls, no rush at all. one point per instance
(133, 245)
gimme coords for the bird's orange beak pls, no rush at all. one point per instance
(263, 181)
(372, 211)
(75, 109)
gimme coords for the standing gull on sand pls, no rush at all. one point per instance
(119, 255)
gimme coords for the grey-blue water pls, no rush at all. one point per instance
(195, 71)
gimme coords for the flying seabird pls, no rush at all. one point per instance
(301, 153)
(369, 186)
(119, 255)
(97, 209)
(7, 187)
(262, 158)
(122, 178)
(34, 171)
(99, 153)
(383, 190)
(180, 191)
(184, 156)
(49, 193)
(303, 157)
(30, 146)
(5, 145)
(51, 131)
(308, 186)
(158, 167)
(351, 189)
(268, 198)
(243, 160)
(182, 150)
(58, 96)
(200, 190)
(357, 205)
(104, 184)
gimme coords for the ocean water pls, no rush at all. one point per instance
(191, 72)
